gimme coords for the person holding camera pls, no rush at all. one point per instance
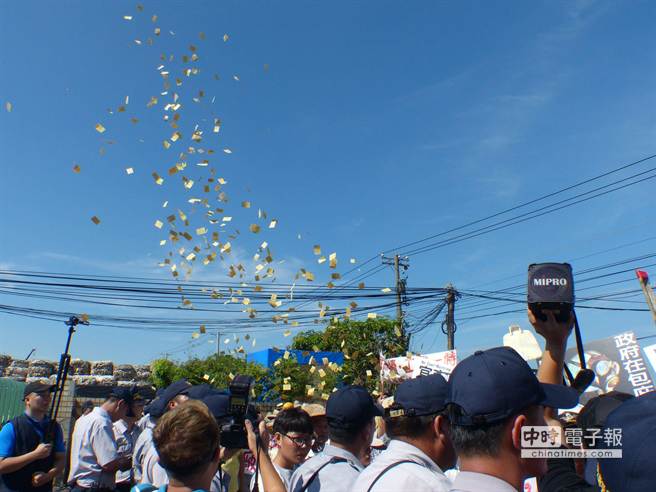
(187, 440)
(420, 447)
(350, 412)
(27, 461)
(94, 454)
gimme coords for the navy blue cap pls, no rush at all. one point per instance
(636, 469)
(351, 406)
(218, 405)
(424, 395)
(494, 384)
(158, 405)
(128, 394)
(199, 391)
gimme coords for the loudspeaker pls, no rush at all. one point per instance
(550, 287)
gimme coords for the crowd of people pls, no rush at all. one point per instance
(463, 435)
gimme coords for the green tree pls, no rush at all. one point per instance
(291, 380)
(217, 371)
(361, 342)
(163, 372)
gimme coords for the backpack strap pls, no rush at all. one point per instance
(332, 461)
(388, 468)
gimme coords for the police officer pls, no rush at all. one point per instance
(350, 412)
(493, 394)
(27, 461)
(126, 433)
(634, 423)
(421, 445)
(94, 454)
(173, 395)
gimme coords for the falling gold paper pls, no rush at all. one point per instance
(159, 224)
(254, 228)
(225, 38)
(100, 128)
(127, 17)
(95, 220)
(372, 316)
(246, 204)
(129, 170)
(76, 168)
(272, 224)
(386, 290)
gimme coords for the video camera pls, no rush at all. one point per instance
(551, 287)
(233, 430)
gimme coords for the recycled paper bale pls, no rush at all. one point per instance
(102, 368)
(124, 372)
(80, 367)
(41, 369)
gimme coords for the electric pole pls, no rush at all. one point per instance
(398, 263)
(218, 344)
(450, 321)
(643, 278)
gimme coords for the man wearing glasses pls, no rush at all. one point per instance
(27, 461)
(292, 430)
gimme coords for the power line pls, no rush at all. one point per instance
(524, 204)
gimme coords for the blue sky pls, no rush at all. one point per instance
(372, 125)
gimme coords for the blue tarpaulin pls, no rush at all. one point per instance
(267, 357)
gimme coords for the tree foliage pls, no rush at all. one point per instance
(361, 342)
(215, 370)
(291, 380)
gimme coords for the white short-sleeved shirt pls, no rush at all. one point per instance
(92, 447)
(335, 476)
(142, 445)
(151, 471)
(473, 482)
(421, 475)
(154, 474)
(125, 440)
(284, 474)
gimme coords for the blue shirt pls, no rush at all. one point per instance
(8, 437)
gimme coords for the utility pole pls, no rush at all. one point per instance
(218, 343)
(643, 278)
(450, 322)
(398, 262)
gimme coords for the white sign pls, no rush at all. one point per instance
(398, 369)
(650, 353)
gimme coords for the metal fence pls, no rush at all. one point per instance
(11, 399)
